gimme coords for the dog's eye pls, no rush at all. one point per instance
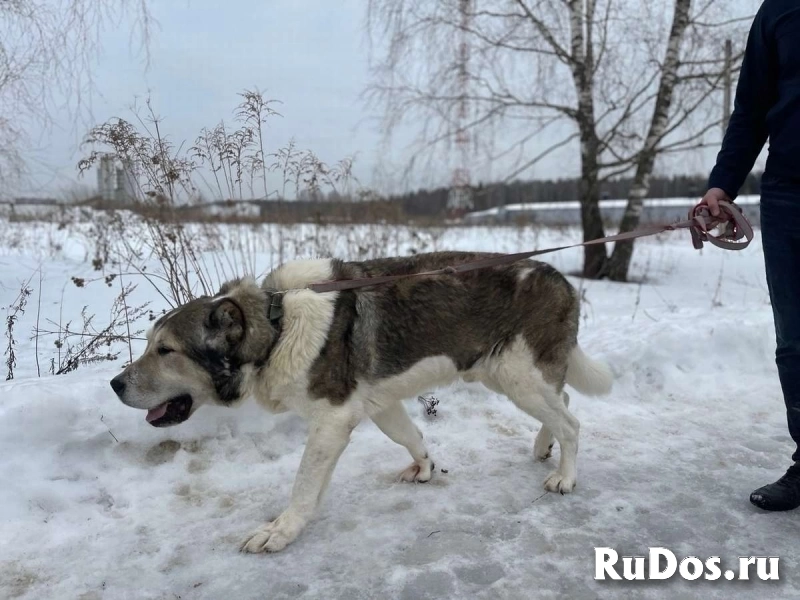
(164, 351)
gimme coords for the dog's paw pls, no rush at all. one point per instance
(274, 536)
(420, 472)
(543, 446)
(557, 482)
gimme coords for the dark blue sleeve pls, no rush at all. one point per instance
(755, 94)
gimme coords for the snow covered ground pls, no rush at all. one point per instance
(96, 504)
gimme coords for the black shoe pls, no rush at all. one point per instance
(784, 494)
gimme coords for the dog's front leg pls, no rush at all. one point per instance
(328, 437)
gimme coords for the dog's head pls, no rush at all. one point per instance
(198, 353)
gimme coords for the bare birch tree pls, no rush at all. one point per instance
(47, 53)
(602, 75)
(676, 69)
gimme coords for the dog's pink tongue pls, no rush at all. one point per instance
(156, 413)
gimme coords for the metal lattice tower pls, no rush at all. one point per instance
(460, 198)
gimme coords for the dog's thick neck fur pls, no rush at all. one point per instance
(275, 362)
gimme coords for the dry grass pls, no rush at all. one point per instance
(15, 310)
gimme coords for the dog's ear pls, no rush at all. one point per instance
(226, 324)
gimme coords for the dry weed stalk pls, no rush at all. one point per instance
(15, 309)
(90, 344)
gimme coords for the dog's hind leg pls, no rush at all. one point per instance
(543, 445)
(328, 436)
(548, 407)
(396, 424)
(524, 384)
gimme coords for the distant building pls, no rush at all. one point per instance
(115, 181)
(51, 202)
(28, 208)
(106, 181)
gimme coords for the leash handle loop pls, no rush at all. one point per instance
(734, 227)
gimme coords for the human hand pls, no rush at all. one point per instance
(712, 199)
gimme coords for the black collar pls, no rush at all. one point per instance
(275, 317)
(275, 310)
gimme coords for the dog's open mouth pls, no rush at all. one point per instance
(171, 412)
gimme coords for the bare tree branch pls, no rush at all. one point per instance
(48, 49)
(547, 151)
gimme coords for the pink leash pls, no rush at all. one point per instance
(735, 233)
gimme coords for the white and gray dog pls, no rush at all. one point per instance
(338, 357)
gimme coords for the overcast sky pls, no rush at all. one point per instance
(310, 54)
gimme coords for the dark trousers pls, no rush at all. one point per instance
(780, 234)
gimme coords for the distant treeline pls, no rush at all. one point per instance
(421, 205)
(434, 202)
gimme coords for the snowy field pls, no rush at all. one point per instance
(96, 504)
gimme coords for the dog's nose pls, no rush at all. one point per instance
(118, 385)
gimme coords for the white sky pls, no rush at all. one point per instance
(311, 55)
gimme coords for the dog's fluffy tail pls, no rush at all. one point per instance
(588, 376)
